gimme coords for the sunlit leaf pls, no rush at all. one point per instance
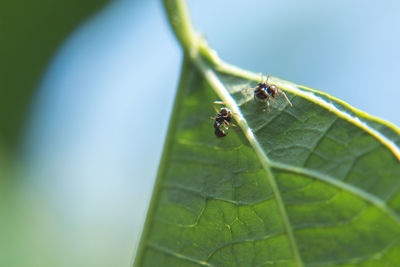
(313, 184)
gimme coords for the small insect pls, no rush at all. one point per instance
(222, 120)
(265, 92)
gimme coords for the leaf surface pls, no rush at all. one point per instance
(315, 184)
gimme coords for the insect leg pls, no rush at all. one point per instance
(255, 100)
(215, 107)
(247, 94)
(287, 99)
(225, 124)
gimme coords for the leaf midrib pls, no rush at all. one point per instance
(268, 165)
(222, 92)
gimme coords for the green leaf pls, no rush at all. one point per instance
(316, 184)
(313, 184)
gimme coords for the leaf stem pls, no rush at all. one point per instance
(192, 42)
(178, 17)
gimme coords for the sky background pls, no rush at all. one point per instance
(98, 121)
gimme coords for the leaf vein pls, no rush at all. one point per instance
(177, 255)
(342, 185)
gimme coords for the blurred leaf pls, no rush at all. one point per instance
(31, 31)
(316, 184)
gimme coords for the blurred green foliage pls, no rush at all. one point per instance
(31, 31)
